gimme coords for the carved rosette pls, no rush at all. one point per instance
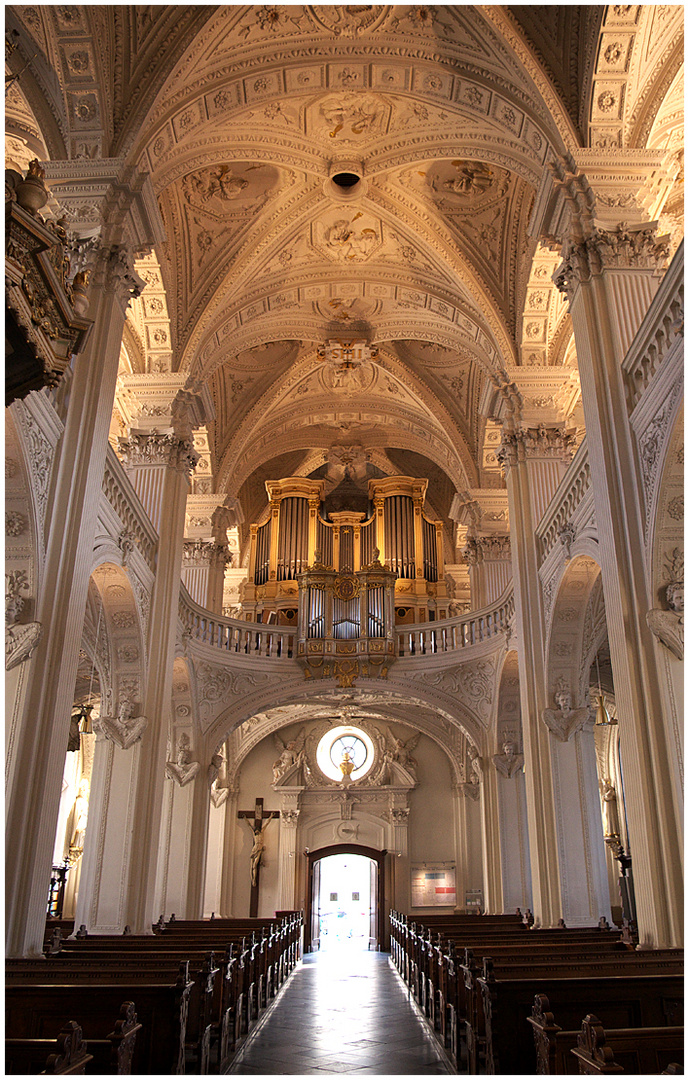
(158, 449)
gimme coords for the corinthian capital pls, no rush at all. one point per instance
(205, 553)
(624, 247)
(158, 449)
(540, 441)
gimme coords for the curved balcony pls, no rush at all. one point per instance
(280, 643)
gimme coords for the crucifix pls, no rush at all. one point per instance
(261, 820)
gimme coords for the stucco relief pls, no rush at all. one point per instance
(474, 681)
(348, 118)
(347, 236)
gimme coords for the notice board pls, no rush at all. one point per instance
(433, 886)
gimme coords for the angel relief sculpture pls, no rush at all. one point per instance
(564, 721)
(217, 776)
(288, 767)
(398, 767)
(124, 729)
(184, 768)
(668, 624)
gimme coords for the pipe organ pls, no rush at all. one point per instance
(298, 535)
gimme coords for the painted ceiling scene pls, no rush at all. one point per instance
(351, 173)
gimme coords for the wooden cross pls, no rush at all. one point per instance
(260, 821)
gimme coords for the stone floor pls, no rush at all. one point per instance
(342, 1012)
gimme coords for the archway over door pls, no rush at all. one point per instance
(314, 859)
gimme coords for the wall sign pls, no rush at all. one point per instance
(433, 885)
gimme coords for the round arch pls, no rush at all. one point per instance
(378, 857)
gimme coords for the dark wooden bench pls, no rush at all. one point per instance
(252, 967)
(592, 1049)
(109, 1056)
(229, 990)
(625, 1000)
(66, 1055)
(35, 1010)
(201, 972)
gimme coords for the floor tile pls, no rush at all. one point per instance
(341, 1014)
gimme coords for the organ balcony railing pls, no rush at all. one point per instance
(285, 544)
(346, 621)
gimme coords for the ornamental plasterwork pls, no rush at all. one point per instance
(651, 442)
(441, 308)
(472, 681)
(148, 314)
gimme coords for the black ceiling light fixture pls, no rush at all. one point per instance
(345, 180)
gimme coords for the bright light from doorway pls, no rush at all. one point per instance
(345, 905)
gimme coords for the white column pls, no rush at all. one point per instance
(198, 842)
(289, 821)
(585, 893)
(610, 275)
(203, 572)
(159, 466)
(490, 833)
(514, 842)
(531, 480)
(229, 853)
(33, 792)
(100, 903)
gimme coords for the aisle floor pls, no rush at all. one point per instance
(342, 1012)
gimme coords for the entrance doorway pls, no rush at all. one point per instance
(345, 907)
(345, 899)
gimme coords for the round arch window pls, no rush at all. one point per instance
(345, 751)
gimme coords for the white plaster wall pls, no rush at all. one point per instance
(432, 826)
(514, 843)
(103, 883)
(216, 832)
(583, 874)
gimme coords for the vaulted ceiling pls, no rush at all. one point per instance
(243, 116)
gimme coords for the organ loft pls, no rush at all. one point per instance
(344, 581)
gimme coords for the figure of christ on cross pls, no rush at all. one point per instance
(261, 821)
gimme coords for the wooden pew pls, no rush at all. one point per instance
(251, 970)
(661, 962)
(445, 981)
(626, 1001)
(66, 1055)
(34, 1010)
(109, 1056)
(225, 998)
(639, 1050)
(80, 968)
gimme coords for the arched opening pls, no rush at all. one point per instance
(345, 898)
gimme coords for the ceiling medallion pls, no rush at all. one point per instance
(347, 354)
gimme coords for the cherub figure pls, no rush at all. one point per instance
(291, 755)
